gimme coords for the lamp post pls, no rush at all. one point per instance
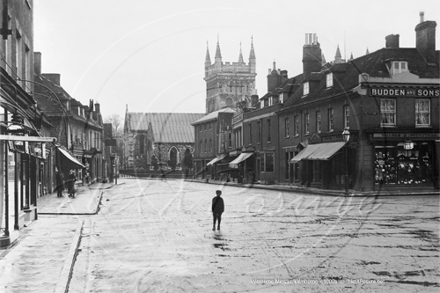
(346, 138)
(16, 128)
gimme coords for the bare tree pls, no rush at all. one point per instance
(116, 121)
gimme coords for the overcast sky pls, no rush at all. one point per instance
(150, 55)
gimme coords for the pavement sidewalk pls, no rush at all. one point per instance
(86, 201)
(43, 256)
(319, 191)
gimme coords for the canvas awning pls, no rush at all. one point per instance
(320, 151)
(215, 160)
(242, 157)
(68, 160)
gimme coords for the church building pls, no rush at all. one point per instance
(229, 83)
(158, 140)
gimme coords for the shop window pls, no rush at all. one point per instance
(296, 170)
(395, 165)
(262, 162)
(337, 175)
(423, 110)
(387, 112)
(141, 144)
(269, 162)
(317, 171)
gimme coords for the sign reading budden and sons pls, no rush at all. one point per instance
(404, 92)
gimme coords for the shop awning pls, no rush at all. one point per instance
(320, 151)
(242, 157)
(215, 160)
(68, 160)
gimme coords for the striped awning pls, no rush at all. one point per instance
(215, 160)
(320, 151)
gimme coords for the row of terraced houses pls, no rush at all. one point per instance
(42, 127)
(386, 101)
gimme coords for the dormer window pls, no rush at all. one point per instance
(399, 67)
(306, 88)
(329, 79)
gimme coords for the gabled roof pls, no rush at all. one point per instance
(213, 115)
(346, 75)
(166, 127)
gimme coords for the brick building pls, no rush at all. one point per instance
(389, 102)
(212, 137)
(24, 148)
(77, 127)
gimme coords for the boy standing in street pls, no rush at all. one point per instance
(218, 207)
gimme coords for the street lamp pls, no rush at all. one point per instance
(346, 138)
(16, 128)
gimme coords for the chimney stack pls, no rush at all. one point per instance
(37, 63)
(55, 78)
(312, 55)
(425, 39)
(284, 76)
(392, 41)
(254, 100)
(273, 79)
(97, 108)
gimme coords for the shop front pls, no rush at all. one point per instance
(327, 161)
(403, 160)
(244, 166)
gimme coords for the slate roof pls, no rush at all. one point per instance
(166, 127)
(346, 75)
(213, 115)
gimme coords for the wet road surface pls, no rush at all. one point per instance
(155, 236)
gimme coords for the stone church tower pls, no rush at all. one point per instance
(229, 84)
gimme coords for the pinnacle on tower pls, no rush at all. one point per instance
(338, 56)
(240, 57)
(252, 53)
(351, 56)
(366, 53)
(208, 57)
(218, 54)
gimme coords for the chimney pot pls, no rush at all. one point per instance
(37, 63)
(422, 14)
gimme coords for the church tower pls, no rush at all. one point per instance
(228, 84)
